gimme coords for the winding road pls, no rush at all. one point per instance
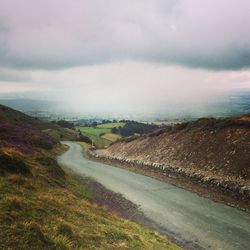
(185, 215)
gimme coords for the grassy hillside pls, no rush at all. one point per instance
(23, 132)
(52, 210)
(14, 117)
(28, 133)
(42, 206)
(65, 134)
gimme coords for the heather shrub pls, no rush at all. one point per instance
(84, 138)
(52, 166)
(43, 141)
(11, 164)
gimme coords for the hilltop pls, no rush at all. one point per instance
(43, 206)
(207, 152)
(22, 131)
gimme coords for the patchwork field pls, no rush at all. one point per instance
(111, 125)
(101, 134)
(111, 137)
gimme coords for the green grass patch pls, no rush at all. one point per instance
(57, 217)
(84, 144)
(95, 131)
(111, 137)
(94, 134)
(52, 208)
(101, 134)
(111, 125)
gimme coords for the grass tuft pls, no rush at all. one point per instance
(16, 179)
(65, 229)
(12, 203)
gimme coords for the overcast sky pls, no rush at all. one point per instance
(124, 55)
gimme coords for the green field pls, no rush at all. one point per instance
(111, 137)
(101, 134)
(111, 125)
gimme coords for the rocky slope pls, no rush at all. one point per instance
(215, 152)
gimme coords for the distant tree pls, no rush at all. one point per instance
(115, 130)
(65, 124)
(94, 124)
(106, 121)
(84, 138)
(133, 127)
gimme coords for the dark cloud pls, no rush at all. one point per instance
(61, 33)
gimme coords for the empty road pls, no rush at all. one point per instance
(187, 216)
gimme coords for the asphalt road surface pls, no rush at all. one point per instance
(185, 215)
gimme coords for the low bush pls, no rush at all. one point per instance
(65, 124)
(43, 141)
(11, 164)
(133, 127)
(84, 138)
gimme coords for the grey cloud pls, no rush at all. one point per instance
(60, 34)
(7, 75)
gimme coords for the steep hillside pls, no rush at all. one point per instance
(42, 206)
(15, 117)
(26, 133)
(212, 151)
(23, 132)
